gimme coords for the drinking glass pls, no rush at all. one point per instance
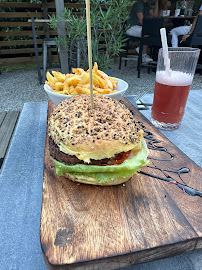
(172, 86)
(177, 12)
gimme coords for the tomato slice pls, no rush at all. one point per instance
(120, 158)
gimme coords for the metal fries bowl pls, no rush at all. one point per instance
(121, 88)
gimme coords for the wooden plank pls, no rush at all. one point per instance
(19, 5)
(22, 24)
(24, 14)
(19, 61)
(53, 32)
(92, 227)
(78, 5)
(20, 14)
(67, 5)
(24, 50)
(20, 33)
(6, 130)
(20, 42)
(23, 60)
(26, 33)
(49, 5)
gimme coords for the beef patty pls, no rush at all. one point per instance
(73, 160)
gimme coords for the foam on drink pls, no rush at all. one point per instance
(174, 78)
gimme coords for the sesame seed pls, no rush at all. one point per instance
(112, 118)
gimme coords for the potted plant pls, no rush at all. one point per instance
(107, 22)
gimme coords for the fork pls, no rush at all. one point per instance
(137, 98)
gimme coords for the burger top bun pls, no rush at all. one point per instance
(107, 129)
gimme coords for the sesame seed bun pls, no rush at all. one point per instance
(94, 181)
(107, 129)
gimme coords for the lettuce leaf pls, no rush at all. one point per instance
(103, 173)
(104, 177)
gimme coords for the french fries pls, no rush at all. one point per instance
(79, 82)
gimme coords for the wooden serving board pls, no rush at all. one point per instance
(93, 227)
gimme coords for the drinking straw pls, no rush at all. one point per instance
(89, 50)
(165, 49)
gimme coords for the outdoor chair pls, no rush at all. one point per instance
(46, 42)
(151, 37)
(125, 54)
(36, 50)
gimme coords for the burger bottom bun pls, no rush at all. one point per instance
(94, 181)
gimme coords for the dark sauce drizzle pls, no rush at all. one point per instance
(152, 146)
(169, 179)
(178, 172)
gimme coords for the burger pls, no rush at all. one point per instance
(103, 145)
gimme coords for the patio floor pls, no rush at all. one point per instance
(19, 87)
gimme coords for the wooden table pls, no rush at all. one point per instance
(8, 121)
(178, 21)
(21, 181)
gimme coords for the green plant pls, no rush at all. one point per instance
(107, 22)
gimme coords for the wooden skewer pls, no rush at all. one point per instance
(89, 49)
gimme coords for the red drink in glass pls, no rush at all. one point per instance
(170, 96)
(174, 75)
